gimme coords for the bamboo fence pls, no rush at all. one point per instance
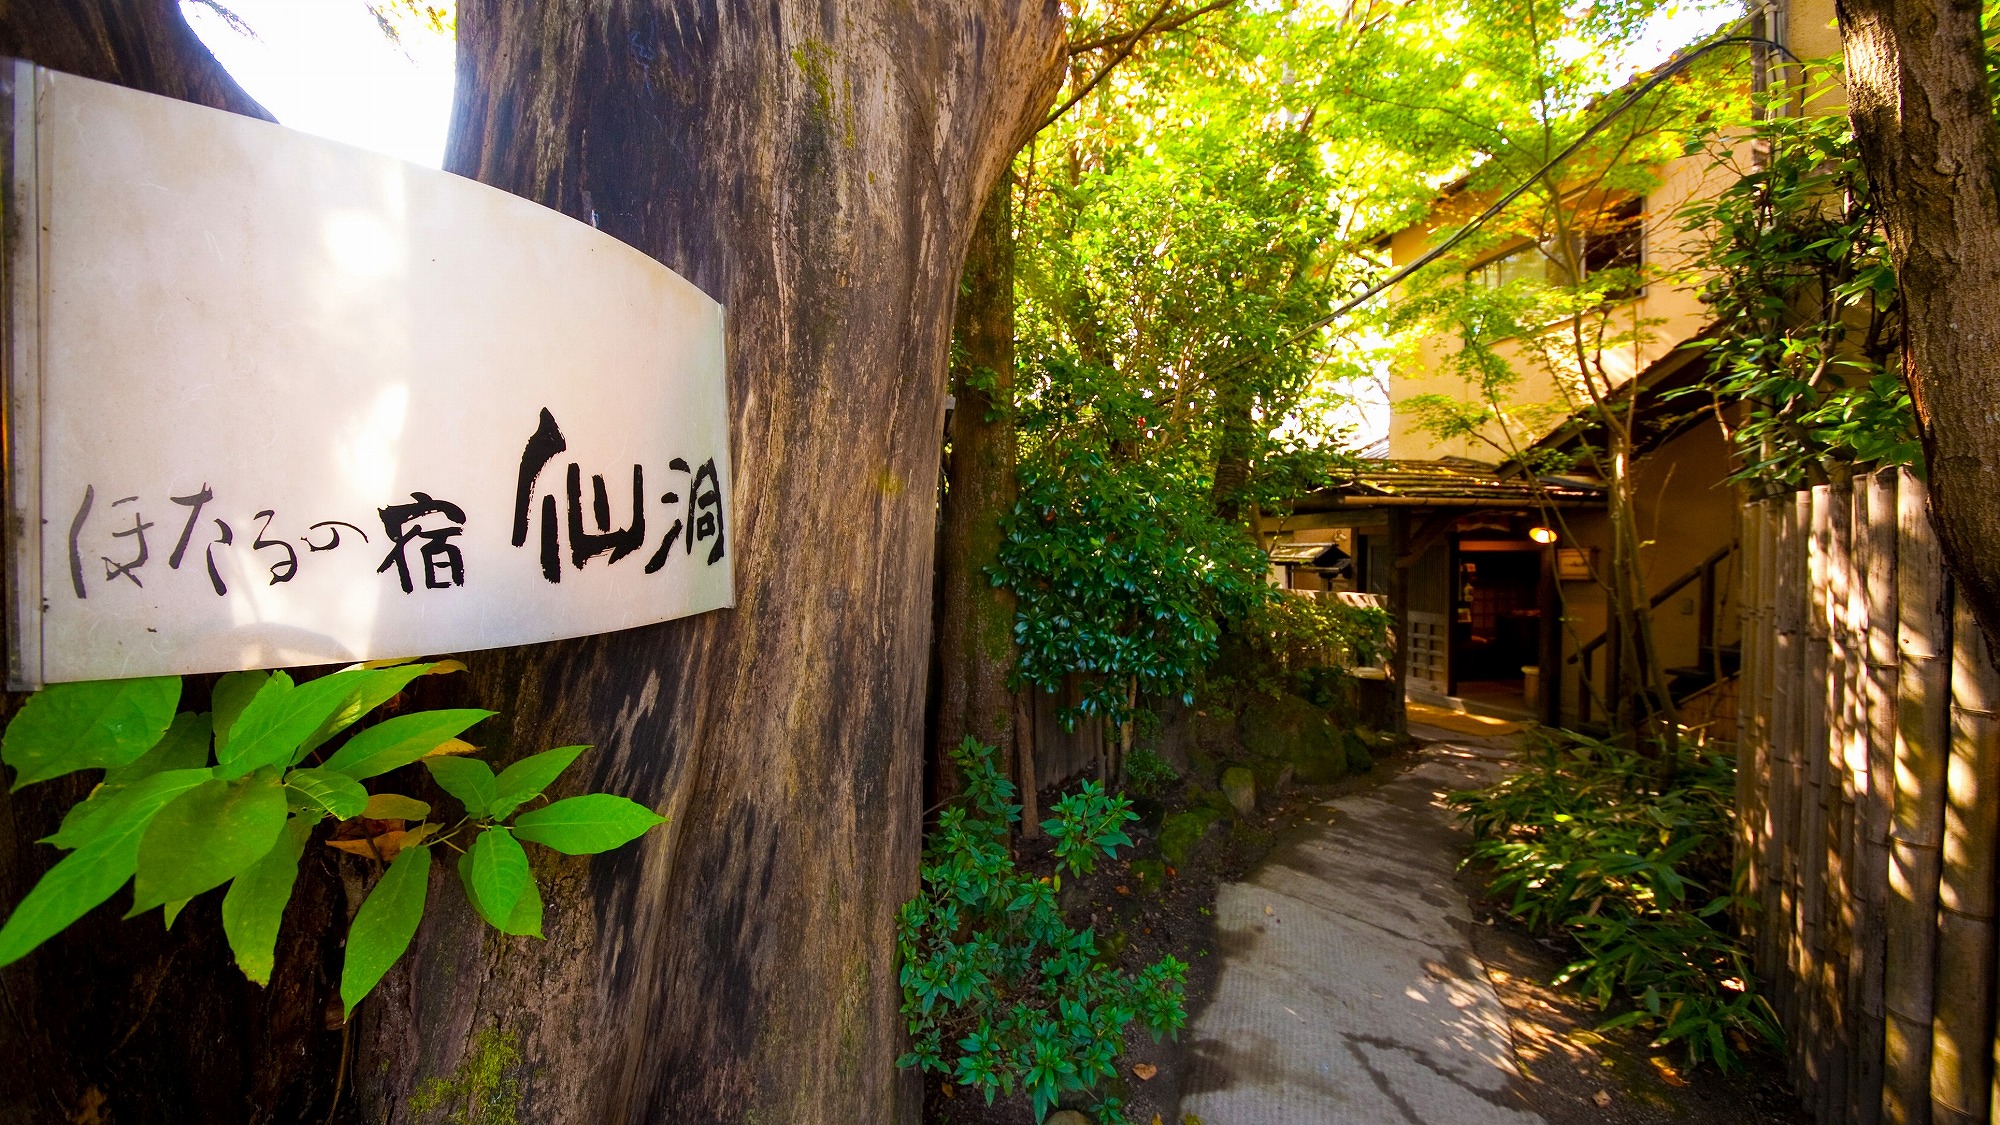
(1868, 729)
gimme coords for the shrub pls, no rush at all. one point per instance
(230, 797)
(1633, 862)
(1149, 775)
(999, 992)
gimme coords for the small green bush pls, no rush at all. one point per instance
(1149, 775)
(1633, 861)
(999, 992)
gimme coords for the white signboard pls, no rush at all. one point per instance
(273, 400)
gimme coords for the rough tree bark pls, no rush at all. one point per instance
(975, 618)
(1918, 96)
(817, 166)
(114, 1020)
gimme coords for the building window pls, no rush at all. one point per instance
(1616, 240)
(1525, 263)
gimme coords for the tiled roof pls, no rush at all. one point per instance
(1471, 482)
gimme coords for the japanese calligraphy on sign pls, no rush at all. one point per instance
(276, 401)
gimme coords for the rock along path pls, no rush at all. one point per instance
(1349, 993)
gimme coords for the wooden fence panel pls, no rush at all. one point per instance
(1868, 830)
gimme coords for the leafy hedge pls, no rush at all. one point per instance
(1633, 862)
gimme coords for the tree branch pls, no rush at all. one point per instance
(1180, 20)
(1127, 43)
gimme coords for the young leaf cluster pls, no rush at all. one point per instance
(1633, 861)
(1000, 993)
(230, 798)
(1804, 298)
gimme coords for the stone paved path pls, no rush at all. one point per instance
(1349, 994)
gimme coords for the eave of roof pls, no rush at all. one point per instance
(1388, 483)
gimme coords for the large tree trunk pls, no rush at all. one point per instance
(816, 165)
(975, 618)
(118, 1021)
(1917, 92)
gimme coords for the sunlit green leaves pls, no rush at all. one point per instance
(205, 837)
(594, 822)
(394, 743)
(255, 904)
(527, 778)
(336, 793)
(384, 925)
(497, 880)
(468, 779)
(277, 719)
(1634, 863)
(176, 827)
(96, 724)
(106, 853)
(375, 685)
(394, 806)
(183, 747)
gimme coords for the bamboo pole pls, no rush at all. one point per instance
(1750, 760)
(1874, 565)
(1816, 1020)
(1786, 769)
(1770, 955)
(1962, 1027)
(1846, 765)
(1923, 646)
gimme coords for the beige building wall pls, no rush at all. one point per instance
(1666, 315)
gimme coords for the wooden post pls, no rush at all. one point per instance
(1399, 616)
(1962, 1026)
(1548, 596)
(1923, 645)
(1875, 568)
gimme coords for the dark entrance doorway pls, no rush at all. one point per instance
(1497, 620)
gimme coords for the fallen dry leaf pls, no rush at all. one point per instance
(1602, 1098)
(1122, 889)
(1668, 1074)
(1144, 1072)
